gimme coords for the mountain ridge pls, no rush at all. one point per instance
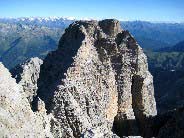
(179, 47)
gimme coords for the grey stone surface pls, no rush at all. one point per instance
(98, 73)
(16, 117)
(95, 85)
(27, 75)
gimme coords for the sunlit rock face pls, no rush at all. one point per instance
(97, 82)
(16, 117)
(95, 85)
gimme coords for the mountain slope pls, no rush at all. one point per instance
(179, 47)
(160, 34)
(167, 66)
(20, 42)
(166, 60)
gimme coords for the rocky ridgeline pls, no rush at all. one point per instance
(98, 74)
(96, 84)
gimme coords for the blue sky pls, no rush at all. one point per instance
(149, 10)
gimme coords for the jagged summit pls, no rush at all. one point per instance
(110, 27)
(99, 73)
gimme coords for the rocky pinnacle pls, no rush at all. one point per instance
(95, 85)
(97, 82)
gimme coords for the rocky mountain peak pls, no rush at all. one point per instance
(98, 79)
(110, 27)
(96, 84)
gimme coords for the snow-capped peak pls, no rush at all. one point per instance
(46, 19)
(40, 19)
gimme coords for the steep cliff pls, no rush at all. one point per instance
(95, 85)
(96, 79)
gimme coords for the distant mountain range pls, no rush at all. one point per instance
(155, 35)
(149, 35)
(51, 22)
(18, 42)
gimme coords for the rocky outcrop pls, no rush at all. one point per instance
(97, 80)
(16, 117)
(27, 75)
(95, 85)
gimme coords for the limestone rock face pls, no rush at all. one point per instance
(16, 117)
(96, 84)
(96, 80)
(27, 75)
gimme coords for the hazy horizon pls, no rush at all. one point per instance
(124, 10)
(87, 18)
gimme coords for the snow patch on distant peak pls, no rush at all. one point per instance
(40, 19)
(51, 18)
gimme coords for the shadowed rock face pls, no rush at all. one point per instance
(110, 27)
(173, 127)
(27, 75)
(97, 77)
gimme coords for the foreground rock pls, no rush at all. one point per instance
(16, 117)
(27, 75)
(97, 79)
